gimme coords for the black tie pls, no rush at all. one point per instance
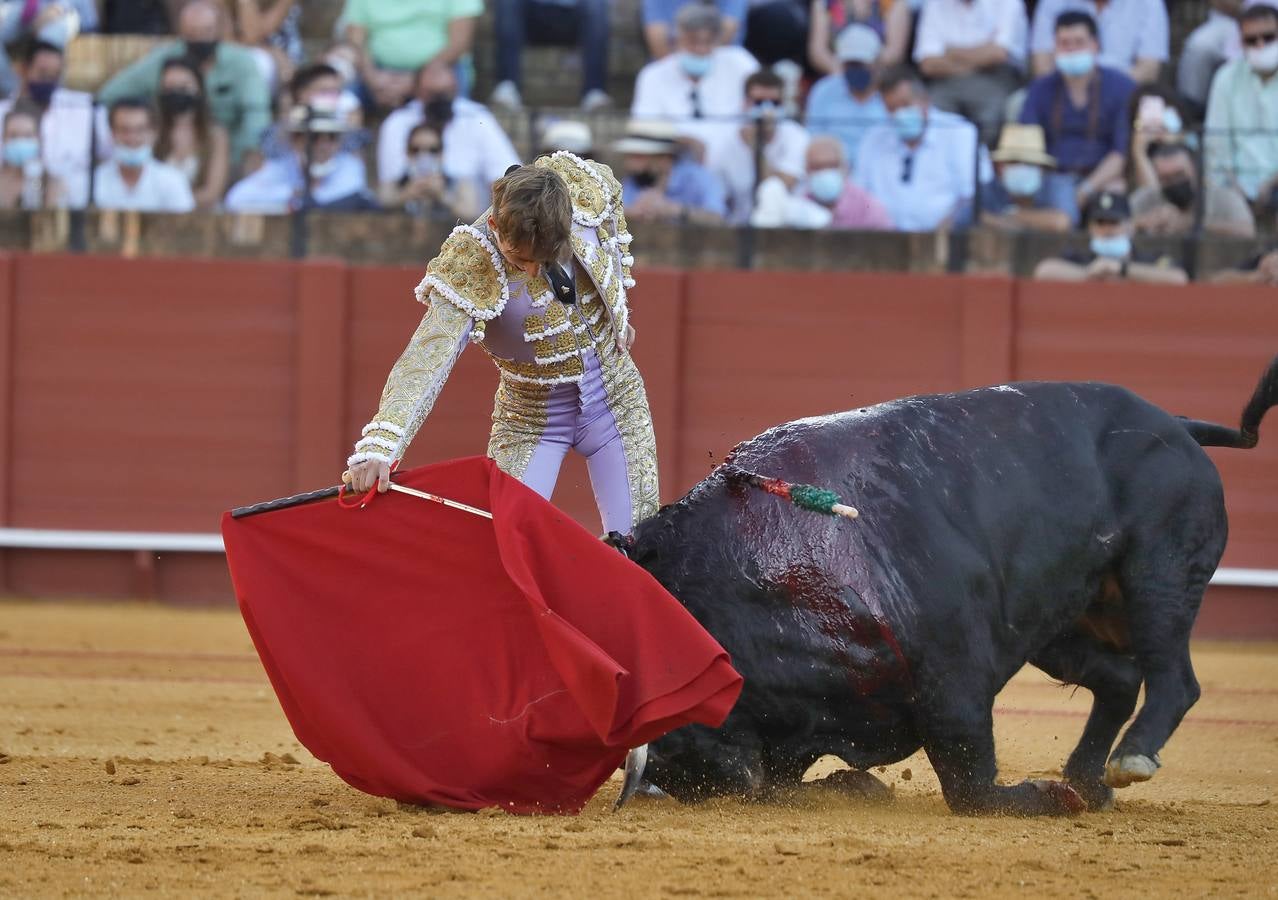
(560, 283)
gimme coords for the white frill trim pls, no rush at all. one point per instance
(366, 455)
(388, 427)
(541, 300)
(627, 260)
(578, 215)
(558, 379)
(365, 443)
(434, 282)
(624, 238)
(531, 336)
(629, 283)
(558, 357)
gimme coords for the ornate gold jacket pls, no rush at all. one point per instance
(535, 341)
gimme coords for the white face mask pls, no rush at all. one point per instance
(323, 169)
(1264, 59)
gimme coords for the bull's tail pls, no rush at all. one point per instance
(1247, 435)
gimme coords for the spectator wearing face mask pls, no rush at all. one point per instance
(1133, 35)
(24, 181)
(699, 86)
(1082, 107)
(1169, 206)
(1110, 256)
(924, 164)
(425, 190)
(761, 133)
(474, 146)
(55, 22)
(66, 122)
(317, 85)
(188, 140)
(1215, 42)
(133, 179)
(890, 20)
(237, 94)
(829, 184)
(318, 174)
(660, 183)
(1017, 199)
(847, 104)
(660, 31)
(1242, 114)
(973, 54)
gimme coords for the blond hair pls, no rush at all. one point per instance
(533, 212)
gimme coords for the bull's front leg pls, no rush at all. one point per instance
(959, 741)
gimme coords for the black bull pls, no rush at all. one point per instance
(1073, 526)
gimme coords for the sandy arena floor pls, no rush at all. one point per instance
(142, 751)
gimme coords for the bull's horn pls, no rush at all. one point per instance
(636, 761)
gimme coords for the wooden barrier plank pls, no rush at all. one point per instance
(988, 332)
(320, 374)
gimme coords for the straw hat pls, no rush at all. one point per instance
(1023, 144)
(649, 137)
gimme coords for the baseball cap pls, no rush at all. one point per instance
(858, 43)
(1108, 206)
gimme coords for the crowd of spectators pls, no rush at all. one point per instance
(908, 115)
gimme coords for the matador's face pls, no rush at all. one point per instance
(515, 256)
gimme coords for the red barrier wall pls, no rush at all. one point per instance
(152, 394)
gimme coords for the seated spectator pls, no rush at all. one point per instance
(25, 183)
(574, 23)
(1134, 35)
(891, 20)
(1209, 46)
(570, 135)
(55, 22)
(1110, 256)
(318, 85)
(317, 175)
(699, 83)
(1082, 108)
(140, 16)
(924, 164)
(777, 34)
(731, 150)
(1242, 113)
(1259, 269)
(68, 123)
(659, 183)
(188, 140)
(660, 33)
(829, 184)
(397, 38)
(1017, 199)
(475, 147)
(238, 97)
(1157, 117)
(425, 191)
(1169, 206)
(272, 29)
(132, 179)
(847, 104)
(973, 53)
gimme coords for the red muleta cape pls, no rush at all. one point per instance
(434, 656)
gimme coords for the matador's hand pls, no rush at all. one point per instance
(363, 475)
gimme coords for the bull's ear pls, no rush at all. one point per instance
(620, 542)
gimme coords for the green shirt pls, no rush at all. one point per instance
(1242, 127)
(237, 92)
(404, 34)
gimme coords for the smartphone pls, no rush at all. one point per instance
(1150, 112)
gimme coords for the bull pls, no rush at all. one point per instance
(1071, 526)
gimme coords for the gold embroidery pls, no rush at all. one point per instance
(519, 420)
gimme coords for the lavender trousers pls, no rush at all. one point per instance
(578, 418)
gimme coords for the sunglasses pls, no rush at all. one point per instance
(1259, 40)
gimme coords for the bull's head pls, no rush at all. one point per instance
(695, 763)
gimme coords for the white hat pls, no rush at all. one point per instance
(649, 137)
(858, 43)
(567, 134)
(320, 118)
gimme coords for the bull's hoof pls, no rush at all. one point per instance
(1124, 770)
(1067, 800)
(1099, 797)
(856, 783)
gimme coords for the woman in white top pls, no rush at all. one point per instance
(188, 138)
(24, 182)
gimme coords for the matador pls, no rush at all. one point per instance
(540, 283)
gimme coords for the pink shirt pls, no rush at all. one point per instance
(857, 208)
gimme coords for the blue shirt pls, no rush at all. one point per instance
(277, 187)
(663, 12)
(1077, 138)
(995, 198)
(690, 184)
(833, 110)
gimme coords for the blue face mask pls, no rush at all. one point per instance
(1118, 246)
(909, 123)
(1022, 180)
(858, 78)
(695, 66)
(132, 157)
(1077, 64)
(764, 109)
(20, 151)
(826, 185)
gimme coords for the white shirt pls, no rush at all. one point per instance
(64, 140)
(277, 186)
(664, 91)
(161, 188)
(955, 23)
(731, 158)
(943, 170)
(475, 147)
